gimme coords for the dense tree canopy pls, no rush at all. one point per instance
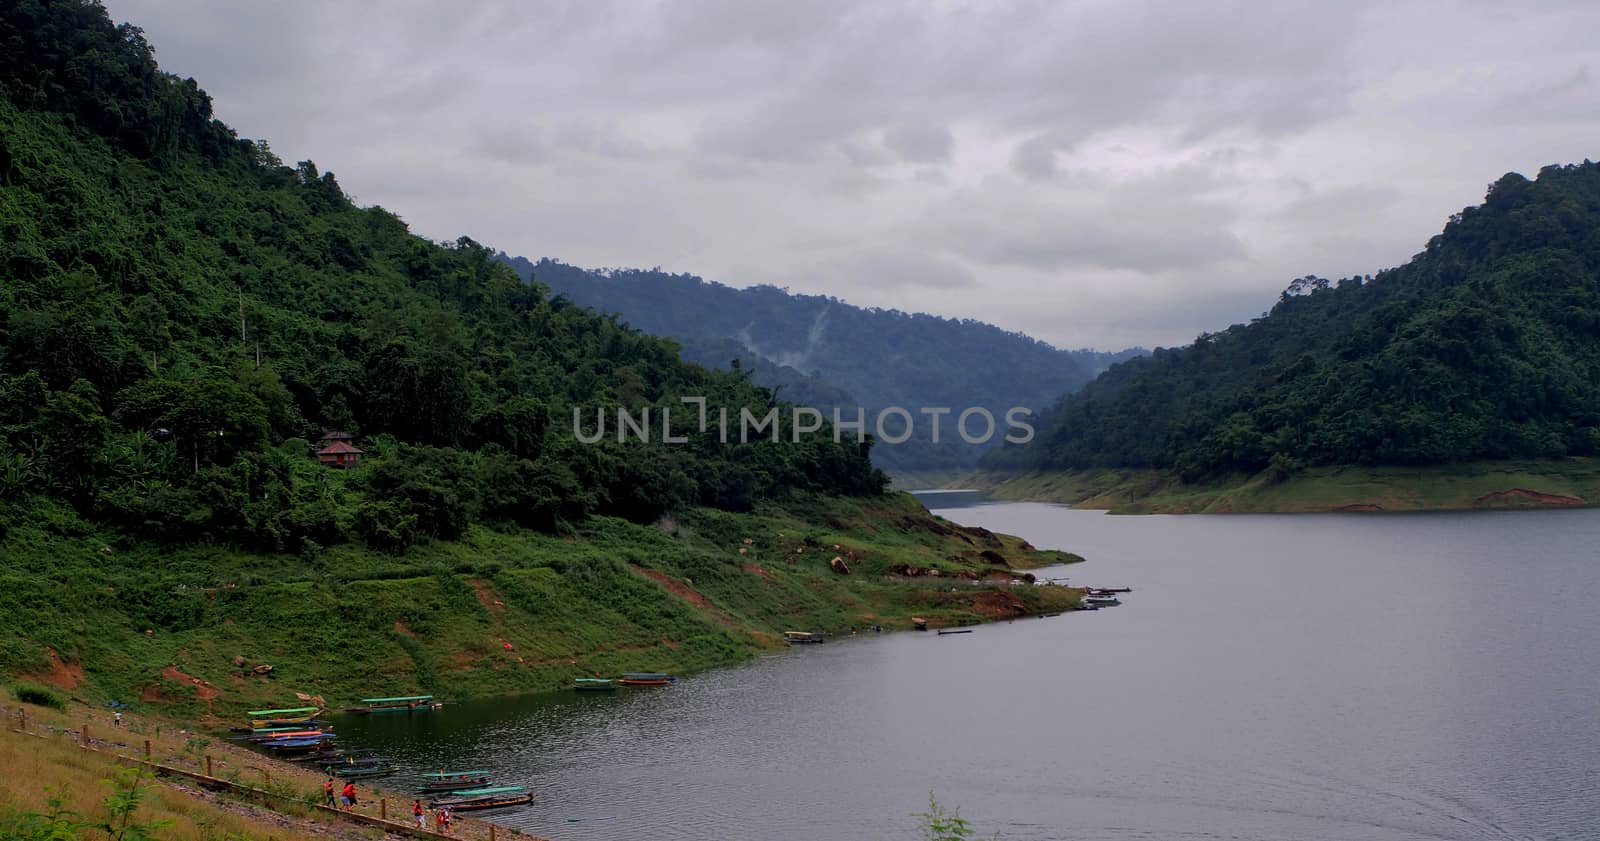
(1484, 346)
(180, 314)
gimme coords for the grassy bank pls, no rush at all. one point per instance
(1501, 484)
(189, 630)
(75, 765)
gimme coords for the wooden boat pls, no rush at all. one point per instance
(454, 780)
(1108, 591)
(919, 624)
(288, 728)
(803, 637)
(947, 631)
(484, 798)
(289, 715)
(594, 684)
(646, 679)
(310, 745)
(267, 738)
(400, 704)
(325, 757)
(349, 772)
(1101, 600)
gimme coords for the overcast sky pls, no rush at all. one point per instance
(1095, 174)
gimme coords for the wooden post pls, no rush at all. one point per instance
(146, 750)
(208, 766)
(22, 717)
(491, 832)
(383, 808)
(86, 734)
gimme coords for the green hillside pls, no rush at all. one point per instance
(1484, 347)
(824, 352)
(182, 317)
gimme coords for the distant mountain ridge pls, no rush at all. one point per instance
(1485, 346)
(821, 351)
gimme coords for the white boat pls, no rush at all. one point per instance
(1102, 601)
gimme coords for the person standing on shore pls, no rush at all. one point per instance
(349, 794)
(327, 793)
(420, 815)
(116, 719)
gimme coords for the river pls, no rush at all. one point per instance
(1358, 677)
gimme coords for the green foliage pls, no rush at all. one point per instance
(39, 695)
(183, 314)
(119, 823)
(1481, 348)
(127, 792)
(57, 824)
(938, 824)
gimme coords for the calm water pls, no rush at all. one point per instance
(1352, 677)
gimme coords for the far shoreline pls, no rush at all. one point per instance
(1477, 486)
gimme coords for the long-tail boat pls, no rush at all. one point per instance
(288, 734)
(357, 771)
(307, 745)
(454, 780)
(594, 684)
(367, 761)
(803, 637)
(401, 704)
(484, 798)
(646, 679)
(289, 715)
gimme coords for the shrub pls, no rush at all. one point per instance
(39, 695)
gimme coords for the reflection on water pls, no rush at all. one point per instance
(1272, 677)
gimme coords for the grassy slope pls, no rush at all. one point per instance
(1500, 484)
(56, 767)
(350, 622)
(42, 769)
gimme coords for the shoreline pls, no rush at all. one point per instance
(1564, 483)
(500, 614)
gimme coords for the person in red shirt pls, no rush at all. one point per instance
(349, 795)
(417, 812)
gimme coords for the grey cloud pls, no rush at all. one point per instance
(923, 144)
(1060, 167)
(888, 269)
(510, 145)
(1035, 157)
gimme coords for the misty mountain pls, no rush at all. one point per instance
(820, 351)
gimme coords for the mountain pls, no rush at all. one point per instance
(874, 358)
(1484, 347)
(182, 317)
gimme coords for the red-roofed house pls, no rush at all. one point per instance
(339, 454)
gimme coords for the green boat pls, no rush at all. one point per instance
(281, 713)
(400, 704)
(594, 684)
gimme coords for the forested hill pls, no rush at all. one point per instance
(874, 357)
(182, 315)
(1486, 345)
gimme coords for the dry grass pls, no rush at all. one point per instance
(48, 763)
